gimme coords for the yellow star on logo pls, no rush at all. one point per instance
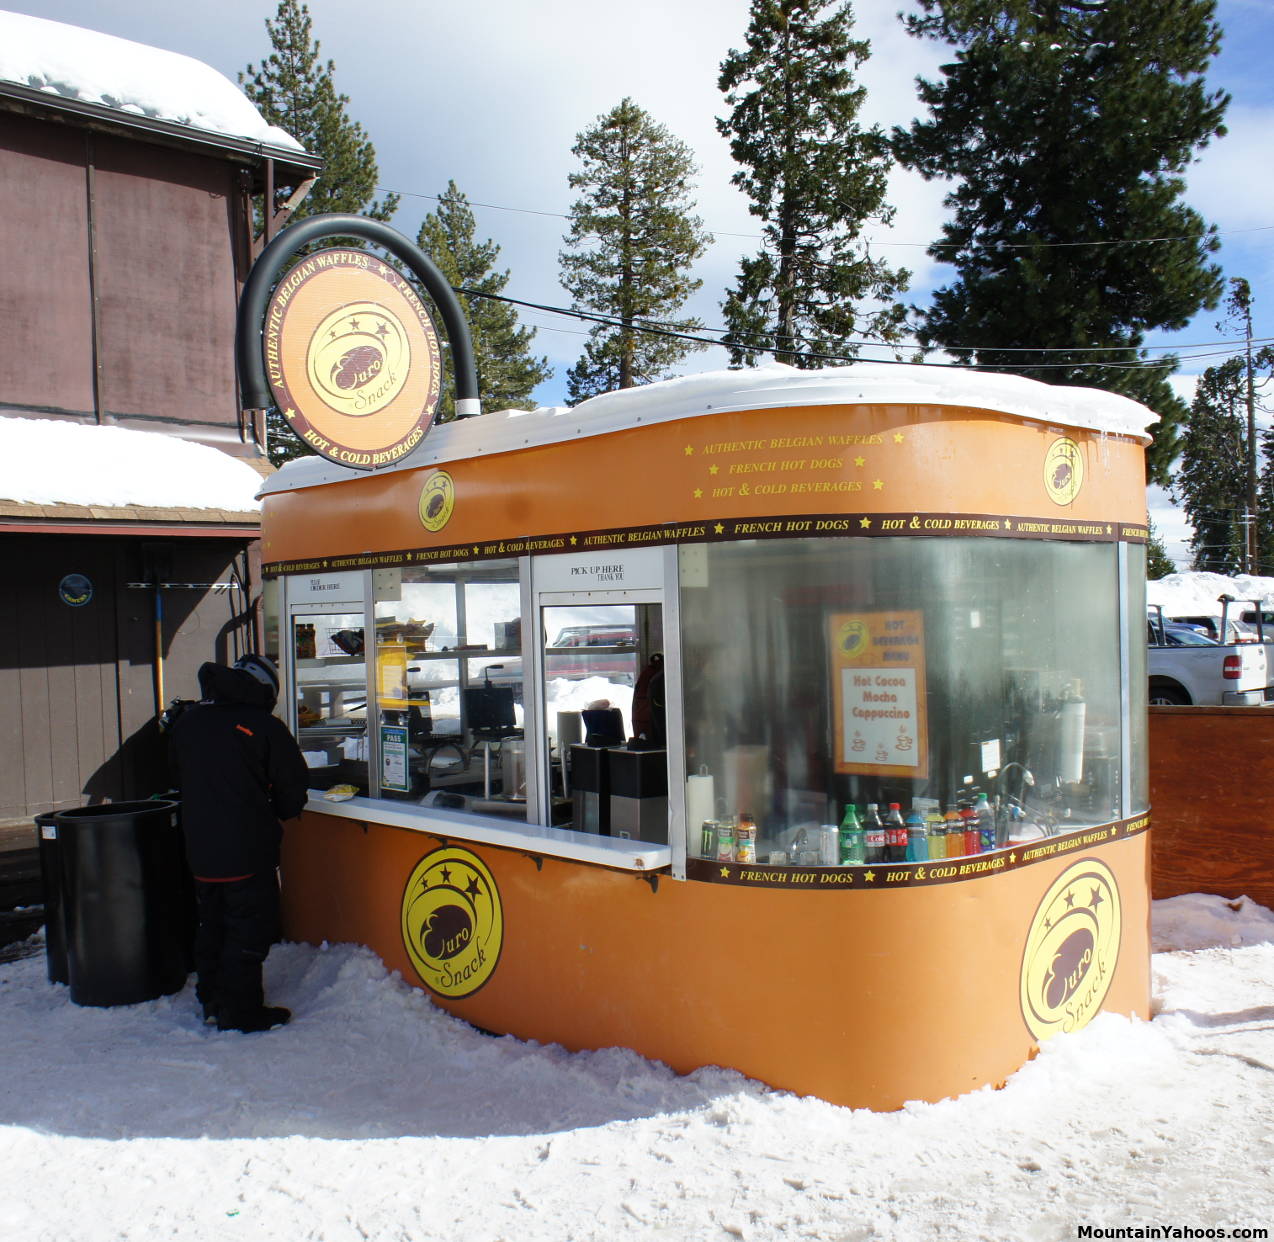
(476, 549)
(864, 523)
(690, 452)
(1012, 858)
(698, 493)
(1109, 529)
(878, 485)
(899, 437)
(1008, 524)
(574, 541)
(860, 461)
(289, 413)
(713, 469)
(869, 876)
(718, 528)
(725, 873)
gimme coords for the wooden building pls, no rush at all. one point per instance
(128, 231)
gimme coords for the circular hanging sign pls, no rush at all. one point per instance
(75, 590)
(352, 358)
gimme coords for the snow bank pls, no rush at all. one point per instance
(1204, 920)
(375, 1114)
(1196, 594)
(46, 461)
(130, 77)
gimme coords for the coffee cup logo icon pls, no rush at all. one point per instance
(1063, 470)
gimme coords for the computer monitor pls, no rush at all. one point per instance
(489, 709)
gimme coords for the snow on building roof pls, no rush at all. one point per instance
(754, 388)
(46, 461)
(84, 65)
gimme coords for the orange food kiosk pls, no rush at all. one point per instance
(586, 694)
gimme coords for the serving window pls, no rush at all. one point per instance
(961, 695)
(449, 687)
(969, 689)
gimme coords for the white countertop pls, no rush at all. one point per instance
(585, 847)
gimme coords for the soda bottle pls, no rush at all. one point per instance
(745, 839)
(986, 823)
(917, 838)
(853, 842)
(936, 835)
(896, 834)
(972, 838)
(874, 830)
(955, 833)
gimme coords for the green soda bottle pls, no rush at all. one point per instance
(853, 843)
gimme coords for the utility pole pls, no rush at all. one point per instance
(1239, 304)
(1253, 536)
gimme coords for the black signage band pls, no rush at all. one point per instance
(725, 530)
(874, 876)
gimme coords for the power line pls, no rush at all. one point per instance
(1038, 245)
(763, 344)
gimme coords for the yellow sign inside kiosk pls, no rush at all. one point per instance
(878, 691)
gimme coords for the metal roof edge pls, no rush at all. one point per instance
(190, 135)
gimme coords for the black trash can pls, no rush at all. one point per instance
(128, 901)
(54, 911)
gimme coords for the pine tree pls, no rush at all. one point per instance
(294, 90)
(507, 372)
(631, 242)
(1067, 126)
(815, 177)
(1158, 563)
(1211, 480)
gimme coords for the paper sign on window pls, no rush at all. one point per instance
(878, 693)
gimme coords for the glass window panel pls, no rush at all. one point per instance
(331, 697)
(602, 687)
(917, 672)
(450, 720)
(1137, 678)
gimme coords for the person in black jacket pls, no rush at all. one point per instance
(240, 772)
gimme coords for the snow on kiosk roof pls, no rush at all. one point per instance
(69, 64)
(756, 388)
(867, 585)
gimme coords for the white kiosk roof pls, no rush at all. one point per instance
(752, 388)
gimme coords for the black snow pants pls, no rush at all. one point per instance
(238, 922)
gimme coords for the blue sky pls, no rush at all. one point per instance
(492, 94)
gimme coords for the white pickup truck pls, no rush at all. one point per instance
(1187, 668)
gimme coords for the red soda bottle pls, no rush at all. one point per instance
(972, 832)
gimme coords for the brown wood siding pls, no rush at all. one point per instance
(1211, 801)
(166, 283)
(58, 675)
(77, 684)
(46, 348)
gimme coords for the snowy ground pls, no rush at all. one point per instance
(376, 1116)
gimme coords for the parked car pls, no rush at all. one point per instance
(1179, 636)
(1237, 630)
(1187, 668)
(581, 651)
